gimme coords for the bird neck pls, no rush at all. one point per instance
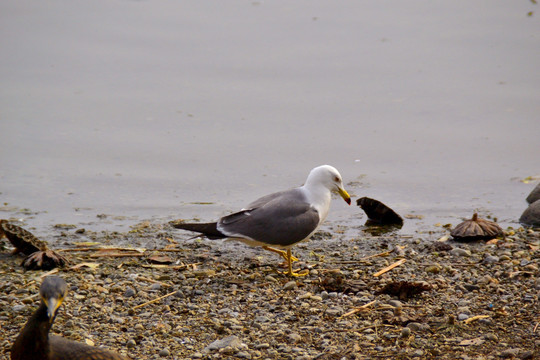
(319, 196)
(33, 341)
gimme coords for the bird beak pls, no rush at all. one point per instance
(52, 305)
(345, 195)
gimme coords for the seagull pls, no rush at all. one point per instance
(279, 220)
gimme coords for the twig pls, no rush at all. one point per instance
(174, 267)
(359, 329)
(153, 301)
(53, 271)
(118, 254)
(358, 309)
(390, 267)
(474, 318)
(100, 248)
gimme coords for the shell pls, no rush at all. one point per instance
(23, 240)
(39, 254)
(379, 212)
(476, 229)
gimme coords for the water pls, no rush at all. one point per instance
(150, 110)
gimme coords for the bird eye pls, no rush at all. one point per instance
(336, 179)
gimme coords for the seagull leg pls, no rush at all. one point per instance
(290, 272)
(281, 253)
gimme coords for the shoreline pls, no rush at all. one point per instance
(480, 294)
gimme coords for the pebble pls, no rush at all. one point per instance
(460, 252)
(395, 303)
(417, 353)
(334, 311)
(291, 285)
(491, 259)
(230, 341)
(527, 355)
(491, 337)
(405, 332)
(131, 344)
(324, 295)
(129, 292)
(294, 337)
(18, 308)
(414, 326)
(471, 287)
(509, 353)
(462, 317)
(243, 355)
(155, 287)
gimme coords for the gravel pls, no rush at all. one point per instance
(224, 300)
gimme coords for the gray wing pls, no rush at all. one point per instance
(283, 219)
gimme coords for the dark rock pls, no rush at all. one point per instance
(534, 195)
(378, 212)
(531, 215)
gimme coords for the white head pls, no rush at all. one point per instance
(329, 177)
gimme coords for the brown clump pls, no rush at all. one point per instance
(39, 254)
(476, 229)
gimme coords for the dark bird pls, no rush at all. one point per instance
(34, 342)
(280, 219)
(39, 256)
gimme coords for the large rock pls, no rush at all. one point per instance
(534, 195)
(531, 215)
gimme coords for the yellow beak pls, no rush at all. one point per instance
(52, 305)
(345, 195)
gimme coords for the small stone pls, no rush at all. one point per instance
(230, 341)
(395, 303)
(129, 292)
(462, 317)
(433, 269)
(527, 355)
(294, 337)
(405, 332)
(334, 312)
(164, 352)
(197, 355)
(155, 287)
(509, 353)
(243, 355)
(18, 308)
(324, 295)
(460, 252)
(262, 319)
(291, 285)
(491, 337)
(531, 215)
(491, 259)
(534, 195)
(414, 326)
(471, 287)
(131, 344)
(417, 353)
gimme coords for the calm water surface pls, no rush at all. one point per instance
(150, 110)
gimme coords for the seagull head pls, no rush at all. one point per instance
(329, 177)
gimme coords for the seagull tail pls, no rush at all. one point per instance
(207, 229)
